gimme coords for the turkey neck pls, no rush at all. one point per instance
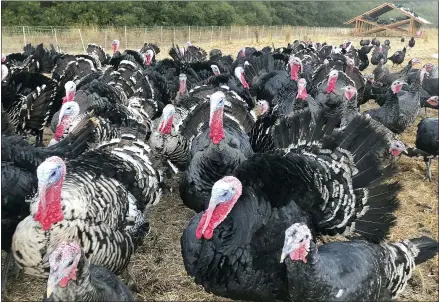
(49, 206)
(216, 126)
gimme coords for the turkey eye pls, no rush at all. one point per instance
(301, 240)
(70, 263)
(53, 174)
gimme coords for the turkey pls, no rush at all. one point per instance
(233, 248)
(28, 99)
(412, 42)
(398, 57)
(380, 52)
(401, 108)
(218, 147)
(430, 83)
(151, 51)
(73, 278)
(19, 182)
(350, 271)
(98, 51)
(293, 100)
(166, 139)
(70, 88)
(99, 199)
(362, 56)
(330, 94)
(427, 142)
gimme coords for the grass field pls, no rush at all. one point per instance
(158, 264)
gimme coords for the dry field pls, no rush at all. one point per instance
(158, 264)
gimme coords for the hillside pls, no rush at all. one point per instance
(306, 13)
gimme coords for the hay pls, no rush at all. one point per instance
(158, 265)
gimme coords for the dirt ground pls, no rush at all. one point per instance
(158, 265)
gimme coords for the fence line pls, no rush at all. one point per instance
(72, 39)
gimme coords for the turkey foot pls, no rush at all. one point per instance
(130, 279)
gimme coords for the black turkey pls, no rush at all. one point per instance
(350, 271)
(233, 248)
(427, 142)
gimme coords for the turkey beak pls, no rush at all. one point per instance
(52, 142)
(50, 286)
(405, 151)
(283, 256)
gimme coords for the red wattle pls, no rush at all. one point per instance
(331, 85)
(216, 127)
(395, 152)
(165, 128)
(243, 52)
(299, 253)
(49, 207)
(219, 214)
(70, 96)
(182, 87)
(63, 282)
(244, 82)
(294, 72)
(59, 131)
(115, 46)
(302, 94)
(148, 60)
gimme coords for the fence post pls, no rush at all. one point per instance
(161, 34)
(211, 35)
(24, 36)
(173, 28)
(82, 41)
(199, 35)
(230, 38)
(56, 38)
(221, 33)
(263, 31)
(126, 39)
(189, 33)
(105, 41)
(239, 33)
(247, 32)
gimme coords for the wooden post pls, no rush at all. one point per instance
(126, 39)
(161, 34)
(189, 33)
(174, 34)
(221, 33)
(199, 35)
(105, 39)
(211, 36)
(411, 28)
(230, 38)
(56, 39)
(247, 32)
(239, 32)
(24, 36)
(82, 41)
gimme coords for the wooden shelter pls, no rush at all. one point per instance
(370, 23)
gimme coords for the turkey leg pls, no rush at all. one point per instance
(428, 164)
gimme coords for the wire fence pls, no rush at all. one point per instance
(76, 39)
